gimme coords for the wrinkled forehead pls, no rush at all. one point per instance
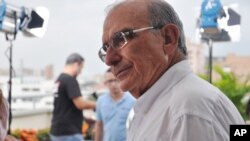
(125, 16)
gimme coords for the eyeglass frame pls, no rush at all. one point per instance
(111, 81)
(102, 56)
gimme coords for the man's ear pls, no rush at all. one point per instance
(171, 37)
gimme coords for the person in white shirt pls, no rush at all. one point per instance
(144, 44)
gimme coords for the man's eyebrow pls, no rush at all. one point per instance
(125, 29)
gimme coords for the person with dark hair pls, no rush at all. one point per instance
(112, 111)
(68, 103)
(145, 48)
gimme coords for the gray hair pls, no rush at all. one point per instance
(160, 14)
(74, 58)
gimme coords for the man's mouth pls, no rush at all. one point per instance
(121, 73)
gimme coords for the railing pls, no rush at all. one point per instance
(32, 111)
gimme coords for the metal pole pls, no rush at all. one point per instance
(11, 70)
(210, 46)
(10, 87)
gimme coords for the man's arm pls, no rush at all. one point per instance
(98, 131)
(82, 104)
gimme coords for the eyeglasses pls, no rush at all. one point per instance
(120, 40)
(111, 81)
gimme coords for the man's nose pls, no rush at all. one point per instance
(113, 57)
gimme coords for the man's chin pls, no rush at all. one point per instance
(125, 85)
(130, 86)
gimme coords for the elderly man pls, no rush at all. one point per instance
(144, 44)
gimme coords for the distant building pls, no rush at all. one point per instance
(196, 56)
(239, 65)
(49, 72)
(28, 72)
(4, 72)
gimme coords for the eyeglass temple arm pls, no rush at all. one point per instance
(142, 29)
(136, 30)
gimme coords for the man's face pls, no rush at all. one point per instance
(112, 83)
(78, 68)
(138, 63)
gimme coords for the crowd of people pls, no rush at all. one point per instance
(148, 74)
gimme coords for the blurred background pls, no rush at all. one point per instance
(76, 26)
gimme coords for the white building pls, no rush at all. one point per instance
(196, 56)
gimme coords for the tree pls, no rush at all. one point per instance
(234, 88)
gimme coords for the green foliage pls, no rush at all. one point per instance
(16, 133)
(40, 135)
(235, 89)
(43, 135)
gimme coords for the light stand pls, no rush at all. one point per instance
(11, 71)
(209, 41)
(32, 22)
(10, 85)
(217, 23)
(210, 46)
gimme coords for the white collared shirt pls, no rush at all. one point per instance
(180, 106)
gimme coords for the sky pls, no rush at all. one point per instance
(76, 26)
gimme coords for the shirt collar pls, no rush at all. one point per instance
(123, 98)
(172, 76)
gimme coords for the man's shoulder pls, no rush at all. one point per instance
(194, 88)
(200, 99)
(66, 79)
(194, 94)
(65, 76)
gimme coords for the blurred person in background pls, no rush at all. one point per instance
(4, 117)
(68, 103)
(112, 111)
